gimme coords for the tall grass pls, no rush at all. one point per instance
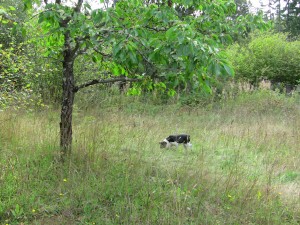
(244, 167)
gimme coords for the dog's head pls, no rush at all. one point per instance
(163, 144)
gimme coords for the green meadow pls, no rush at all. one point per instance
(244, 167)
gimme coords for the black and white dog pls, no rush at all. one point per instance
(174, 140)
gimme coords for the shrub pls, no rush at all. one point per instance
(267, 56)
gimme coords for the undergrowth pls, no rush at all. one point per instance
(243, 168)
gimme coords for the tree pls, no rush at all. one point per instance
(132, 42)
(273, 12)
(291, 13)
(242, 8)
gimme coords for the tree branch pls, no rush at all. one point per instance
(75, 51)
(156, 29)
(105, 81)
(78, 6)
(101, 53)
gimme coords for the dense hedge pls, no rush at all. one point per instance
(267, 56)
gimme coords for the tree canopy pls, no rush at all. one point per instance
(150, 41)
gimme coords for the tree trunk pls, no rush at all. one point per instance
(67, 99)
(66, 112)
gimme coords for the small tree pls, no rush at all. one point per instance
(136, 42)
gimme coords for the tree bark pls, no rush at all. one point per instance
(66, 113)
(67, 99)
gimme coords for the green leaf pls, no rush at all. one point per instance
(133, 57)
(117, 48)
(214, 68)
(87, 6)
(206, 87)
(115, 70)
(27, 4)
(171, 92)
(97, 16)
(171, 33)
(229, 70)
(94, 58)
(134, 91)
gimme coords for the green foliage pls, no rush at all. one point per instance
(25, 77)
(15, 89)
(24, 72)
(12, 57)
(11, 12)
(12, 68)
(148, 40)
(188, 51)
(267, 56)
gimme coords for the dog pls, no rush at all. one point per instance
(175, 140)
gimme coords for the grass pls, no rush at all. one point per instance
(244, 167)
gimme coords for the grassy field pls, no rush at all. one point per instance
(244, 167)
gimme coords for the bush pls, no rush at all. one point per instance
(267, 56)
